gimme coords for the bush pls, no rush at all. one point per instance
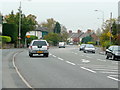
(91, 43)
(106, 44)
(5, 39)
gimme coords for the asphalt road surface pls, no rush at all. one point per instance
(64, 68)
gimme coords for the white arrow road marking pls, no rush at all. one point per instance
(70, 63)
(88, 69)
(85, 61)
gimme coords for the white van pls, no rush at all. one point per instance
(61, 44)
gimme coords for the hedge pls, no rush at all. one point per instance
(5, 39)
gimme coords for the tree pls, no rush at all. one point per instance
(50, 24)
(28, 23)
(57, 28)
(52, 38)
(10, 30)
(87, 39)
(64, 36)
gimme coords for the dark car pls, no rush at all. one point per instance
(113, 52)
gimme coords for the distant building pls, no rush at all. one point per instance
(40, 32)
(75, 37)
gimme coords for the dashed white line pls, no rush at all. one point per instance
(113, 78)
(60, 58)
(53, 55)
(101, 60)
(88, 69)
(70, 63)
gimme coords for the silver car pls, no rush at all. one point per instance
(38, 47)
(89, 48)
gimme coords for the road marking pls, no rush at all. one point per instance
(75, 53)
(85, 61)
(88, 57)
(88, 69)
(110, 72)
(53, 55)
(101, 60)
(107, 69)
(113, 78)
(19, 74)
(70, 63)
(60, 58)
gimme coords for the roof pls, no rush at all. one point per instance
(74, 35)
(41, 29)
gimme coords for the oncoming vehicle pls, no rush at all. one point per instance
(89, 48)
(81, 47)
(113, 52)
(38, 47)
(61, 44)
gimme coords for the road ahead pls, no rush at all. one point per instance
(67, 68)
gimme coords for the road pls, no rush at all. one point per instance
(64, 68)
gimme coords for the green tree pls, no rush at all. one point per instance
(10, 30)
(87, 39)
(57, 28)
(50, 24)
(52, 38)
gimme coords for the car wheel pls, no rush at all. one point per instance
(113, 57)
(84, 51)
(107, 57)
(46, 55)
(30, 55)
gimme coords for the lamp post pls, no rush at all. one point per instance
(19, 37)
(102, 14)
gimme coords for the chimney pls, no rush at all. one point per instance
(70, 31)
(79, 31)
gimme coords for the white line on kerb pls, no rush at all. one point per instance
(60, 58)
(88, 69)
(28, 85)
(70, 63)
(113, 78)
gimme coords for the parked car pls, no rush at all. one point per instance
(89, 48)
(81, 47)
(38, 47)
(61, 44)
(113, 52)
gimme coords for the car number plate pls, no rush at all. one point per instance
(39, 51)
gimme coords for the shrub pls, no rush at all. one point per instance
(5, 39)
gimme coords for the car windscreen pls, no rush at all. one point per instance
(89, 46)
(36, 43)
(117, 48)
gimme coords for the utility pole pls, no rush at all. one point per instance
(110, 27)
(19, 24)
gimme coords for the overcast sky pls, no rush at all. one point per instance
(74, 14)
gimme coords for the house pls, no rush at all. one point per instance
(75, 37)
(40, 32)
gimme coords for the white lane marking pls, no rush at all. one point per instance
(50, 54)
(70, 63)
(113, 78)
(107, 69)
(85, 61)
(101, 60)
(19, 74)
(88, 57)
(88, 69)
(110, 72)
(60, 58)
(53, 55)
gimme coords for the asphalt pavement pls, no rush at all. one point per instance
(64, 68)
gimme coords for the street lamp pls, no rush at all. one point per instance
(102, 14)
(19, 24)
